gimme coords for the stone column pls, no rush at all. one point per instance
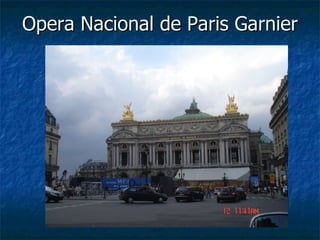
(167, 155)
(188, 154)
(184, 152)
(136, 155)
(114, 156)
(202, 155)
(169, 147)
(205, 153)
(117, 155)
(246, 150)
(221, 147)
(227, 152)
(153, 155)
(131, 155)
(241, 151)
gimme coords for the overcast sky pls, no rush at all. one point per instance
(88, 86)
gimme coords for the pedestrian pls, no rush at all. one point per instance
(78, 190)
(161, 190)
(272, 191)
(208, 192)
(265, 189)
(285, 190)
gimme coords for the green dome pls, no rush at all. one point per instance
(265, 139)
(193, 112)
(190, 115)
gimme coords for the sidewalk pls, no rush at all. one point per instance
(267, 195)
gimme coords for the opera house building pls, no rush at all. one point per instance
(195, 146)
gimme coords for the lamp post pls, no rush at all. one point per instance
(225, 183)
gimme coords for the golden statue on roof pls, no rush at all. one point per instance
(231, 106)
(127, 113)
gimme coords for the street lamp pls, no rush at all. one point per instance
(225, 183)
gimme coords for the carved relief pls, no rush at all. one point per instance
(233, 128)
(160, 129)
(212, 125)
(123, 134)
(144, 129)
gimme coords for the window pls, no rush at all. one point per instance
(144, 158)
(177, 157)
(161, 158)
(212, 156)
(234, 155)
(195, 154)
(124, 158)
(234, 141)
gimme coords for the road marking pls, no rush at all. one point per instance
(75, 205)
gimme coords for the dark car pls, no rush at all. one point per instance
(131, 194)
(53, 195)
(228, 194)
(189, 194)
(242, 193)
(270, 219)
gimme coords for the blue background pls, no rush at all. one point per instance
(23, 106)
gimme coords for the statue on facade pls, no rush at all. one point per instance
(231, 106)
(127, 113)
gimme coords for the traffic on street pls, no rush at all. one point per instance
(110, 211)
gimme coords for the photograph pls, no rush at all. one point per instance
(166, 136)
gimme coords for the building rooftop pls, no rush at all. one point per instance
(193, 112)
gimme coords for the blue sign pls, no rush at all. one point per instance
(254, 180)
(120, 183)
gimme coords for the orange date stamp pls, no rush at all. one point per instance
(241, 210)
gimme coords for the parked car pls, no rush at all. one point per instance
(138, 193)
(217, 190)
(53, 195)
(242, 193)
(189, 194)
(270, 219)
(228, 194)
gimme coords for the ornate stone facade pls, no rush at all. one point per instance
(52, 143)
(192, 140)
(279, 126)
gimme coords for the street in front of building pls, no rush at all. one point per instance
(111, 212)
